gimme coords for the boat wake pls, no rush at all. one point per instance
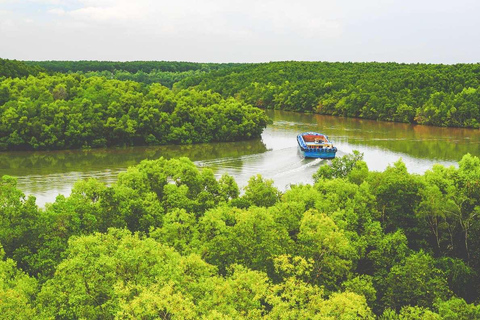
(309, 164)
(213, 162)
(283, 166)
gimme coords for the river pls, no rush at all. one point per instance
(46, 174)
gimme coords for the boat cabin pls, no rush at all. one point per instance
(314, 138)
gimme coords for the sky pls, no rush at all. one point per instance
(420, 31)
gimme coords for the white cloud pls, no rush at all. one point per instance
(54, 2)
(104, 13)
(104, 3)
(7, 24)
(214, 16)
(102, 10)
(57, 11)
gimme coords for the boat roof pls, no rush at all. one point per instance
(312, 134)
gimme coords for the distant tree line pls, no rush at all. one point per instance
(440, 95)
(165, 78)
(17, 69)
(129, 66)
(164, 72)
(72, 111)
(170, 241)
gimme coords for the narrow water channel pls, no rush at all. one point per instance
(274, 156)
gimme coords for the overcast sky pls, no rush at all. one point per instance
(241, 31)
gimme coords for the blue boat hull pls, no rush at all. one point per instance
(318, 154)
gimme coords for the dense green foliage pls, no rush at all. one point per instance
(164, 72)
(72, 111)
(170, 241)
(129, 66)
(17, 69)
(441, 95)
(165, 78)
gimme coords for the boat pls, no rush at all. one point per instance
(316, 145)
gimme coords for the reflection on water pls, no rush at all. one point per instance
(46, 174)
(49, 162)
(430, 143)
